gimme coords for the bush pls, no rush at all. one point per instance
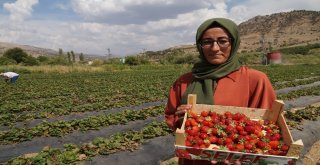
(58, 60)
(16, 54)
(43, 59)
(186, 59)
(7, 61)
(132, 60)
(304, 50)
(97, 62)
(30, 61)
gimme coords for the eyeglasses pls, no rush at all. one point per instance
(223, 42)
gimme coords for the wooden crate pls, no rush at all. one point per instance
(274, 114)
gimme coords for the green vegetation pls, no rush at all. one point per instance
(74, 153)
(308, 113)
(70, 86)
(303, 50)
(307, 54)
(60, 128)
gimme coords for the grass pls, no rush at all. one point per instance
(83, 68)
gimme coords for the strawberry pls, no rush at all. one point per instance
(284, 148)
(220, 141)
(205, 113)
(234, 132)
(206, 123)
(228, 141)
(213, 139)
(239, 128)
(239, 147)
(274, 144)
(203, 135)
(261, 144)
(276, 136)
(248, 146)
(205, 129)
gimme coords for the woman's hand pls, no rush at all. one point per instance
(181, 110)
(226, 162)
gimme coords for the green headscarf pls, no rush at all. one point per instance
(205, 74)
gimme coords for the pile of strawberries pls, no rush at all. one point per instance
(234, 132)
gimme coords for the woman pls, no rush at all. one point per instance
(218, 78)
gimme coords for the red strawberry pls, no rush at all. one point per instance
(261, 144)
(213, 139)
(205, 113)
(274, 144)
(284, 148)
(248, 146)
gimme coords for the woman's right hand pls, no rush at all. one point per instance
(181, 110)
(226, 162)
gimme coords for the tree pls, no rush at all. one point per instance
(81, 57)
(73, 56)
(58, 60)
(16, 54)
(69, 57)
(60, 51)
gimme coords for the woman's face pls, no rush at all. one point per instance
(216, 45)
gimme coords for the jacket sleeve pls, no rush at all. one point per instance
(172, 104)
(262, 94)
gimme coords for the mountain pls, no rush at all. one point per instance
(279, 30)
(37, 51)
(34, 51)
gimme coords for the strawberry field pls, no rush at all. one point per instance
(117, 117)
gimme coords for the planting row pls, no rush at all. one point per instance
(39, 96)
(60, 128)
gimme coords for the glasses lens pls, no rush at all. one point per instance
(222, 42)
(206, 43)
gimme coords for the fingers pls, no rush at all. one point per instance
(220, 162)
(214, 162)
(225, 162)
(182, 109)
(237, 162)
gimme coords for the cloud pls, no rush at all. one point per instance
(127, 27)
(135, 11)
(20, 9)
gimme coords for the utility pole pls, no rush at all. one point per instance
(109, 53)
(263, 49)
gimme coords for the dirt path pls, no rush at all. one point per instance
(313, 156)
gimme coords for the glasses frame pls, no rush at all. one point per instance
(217, 41)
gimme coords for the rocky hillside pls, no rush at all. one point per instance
(35, 51)
(280, 30)
(274, 31)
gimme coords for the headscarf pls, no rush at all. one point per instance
(205, 74)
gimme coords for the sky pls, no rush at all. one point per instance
(124, 27)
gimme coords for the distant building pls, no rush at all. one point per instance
(123, 60)
(274, 58)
